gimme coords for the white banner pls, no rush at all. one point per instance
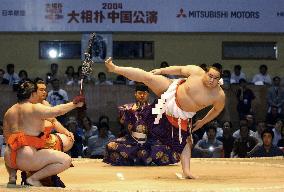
(142, 15)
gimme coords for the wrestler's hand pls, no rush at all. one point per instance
(70, 135)
(79, 100)
(197, 125)
(156, 71)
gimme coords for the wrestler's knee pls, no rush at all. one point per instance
(66, 161)
(67, 145)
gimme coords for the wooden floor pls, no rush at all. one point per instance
(214, 175)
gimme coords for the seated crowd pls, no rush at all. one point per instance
(249, 138)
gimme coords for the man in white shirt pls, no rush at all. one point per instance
(237, 74)
(262, 77)
(57, 96)
(11, 76)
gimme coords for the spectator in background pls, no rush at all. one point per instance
(262, 77)
(77, 149)
(243, 121)
(102, 80)
(219, 130)
(261, 126)
(272, 117)
(281, 141)
(237, 74)
(57, 96)
(277, 131)
(97, 144)
(53, 74)
(89, 129)
(267, 149)
(244, 144)
(120, 80)
(227, 81)
(227, 139)
(275, 95)
(11, 76)
(69, 76)
(2, 80)
(210, 148)
(245, 97)
(103, 119)
(251, 122)
(23, 75)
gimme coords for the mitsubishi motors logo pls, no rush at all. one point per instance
(181, 13)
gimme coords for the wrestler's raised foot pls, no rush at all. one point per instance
(109, 65)
(32, 182)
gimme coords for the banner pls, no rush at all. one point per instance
(142, 16)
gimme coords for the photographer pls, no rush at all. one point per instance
(210, 147)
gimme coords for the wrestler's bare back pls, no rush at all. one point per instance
(193, 95)
(21, 117)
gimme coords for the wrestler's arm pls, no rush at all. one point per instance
(179, 70)
(217, 108)
(57, 125)
(45, 112)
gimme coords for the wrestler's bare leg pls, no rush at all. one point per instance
(157, 83)
(45, 162)
(12, 172)
(66, 141)
(185, 161)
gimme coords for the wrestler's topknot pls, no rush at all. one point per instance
(25, 90)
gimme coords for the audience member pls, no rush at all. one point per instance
(244, 144)
(77, 149)
(261, 126)
(267, 149)
(275, 95)
(11, 76)
(262, 77)
(243, 121)
(272, 117)
(89, 129)
(227, 81)
(277, 131)
(53, 74)
(210, 148)
(102, 80)
(57, 96)
(23, 75)
(219, 130)
(120, 80)
(245, 97)
(281, 141)
(2, 80)
(69, 76)
(227, 139)
(237, 74)
(97, 144)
